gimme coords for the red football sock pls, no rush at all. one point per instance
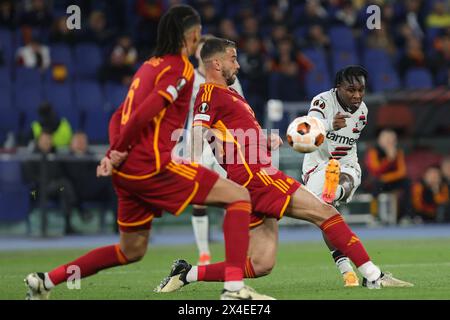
(237, 235)
(89, 264)
(211, 272)
(216, 271)
(342, 238)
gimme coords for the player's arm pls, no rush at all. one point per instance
(198, 138)
(321, 110)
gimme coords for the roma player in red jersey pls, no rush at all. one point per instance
(243, 154)
(146, 178)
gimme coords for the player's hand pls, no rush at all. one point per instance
(275, 141)
(339, 121)
(104, 169)
(117, 157)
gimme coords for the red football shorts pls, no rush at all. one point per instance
(270, 192)
(172, 190)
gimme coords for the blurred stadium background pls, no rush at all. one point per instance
(66, 84)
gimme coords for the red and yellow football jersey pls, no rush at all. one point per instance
(245, 145)
(171, 76)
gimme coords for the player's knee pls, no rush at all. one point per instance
(134, 252)
(263, 267)
(325, 211)
(241, 194)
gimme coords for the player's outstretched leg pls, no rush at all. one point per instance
(200, 225)
(236, 200)
(331, 193)
(132, 248)
(306, 206)
(260, 262)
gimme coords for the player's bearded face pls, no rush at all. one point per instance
(230, 66)
(229, 76)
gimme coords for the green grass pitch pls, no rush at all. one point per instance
(303, 271)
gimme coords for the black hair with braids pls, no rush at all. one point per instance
(349, 73)
(171, 28)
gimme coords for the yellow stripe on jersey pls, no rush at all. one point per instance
(263, 179)
(206, 96)
(188, 70)
(186, 171)
(138, 223)
(183, 167)
(198, 123)
(165, 95)
(283, 210)
(158, 120)
(180, 173)
(158, 77)
(188, 200)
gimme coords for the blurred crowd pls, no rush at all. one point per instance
(272, 36)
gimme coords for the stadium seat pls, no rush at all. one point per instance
(88, 59)
(95, 124)
(14, 195)
(396, 116)
(26, 77)
(418, 78)
(27, 98)
(383, 80)
(6, 44)
(375, 60)
(61, 98)
(318, 58)
(5, 78)
(343, 58)
(419, 160)
(285, 88)
(62, 55)
(115, 94)
(9, 119)
(89, 95)
(341, 38)
(316, 82)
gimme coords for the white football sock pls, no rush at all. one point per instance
(233, 285)
(200, 225)
(344, 265)
(192, 275)
(48, 282)
(370, 271)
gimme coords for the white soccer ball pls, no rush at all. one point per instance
(305, 134)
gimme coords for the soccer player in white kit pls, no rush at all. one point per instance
(200, 220)
(332, 172)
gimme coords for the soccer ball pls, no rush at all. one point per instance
(305, 134)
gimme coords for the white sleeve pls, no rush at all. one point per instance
(323, 111)
(237, 86)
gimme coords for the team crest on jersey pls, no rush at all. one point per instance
(181, 83)
(203, 108)
(319, 103)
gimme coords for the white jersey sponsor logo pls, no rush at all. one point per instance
(340, 144)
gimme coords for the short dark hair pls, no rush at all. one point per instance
(171, 28)
(215, 45)
(349, 73)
